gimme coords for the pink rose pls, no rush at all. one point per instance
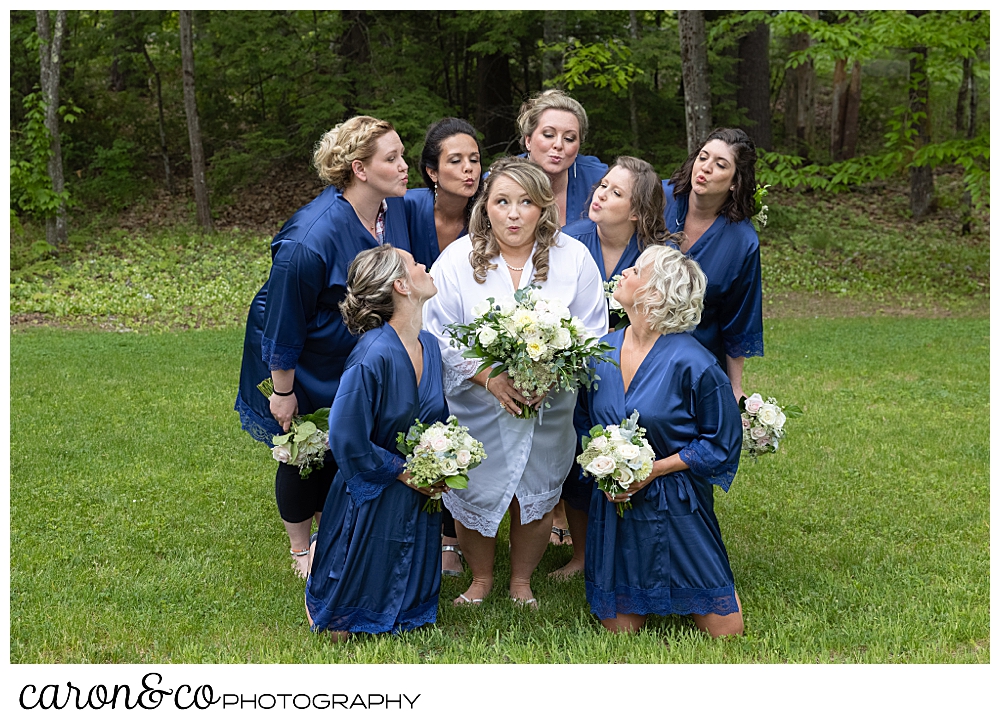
(753, 403)
(281, 454)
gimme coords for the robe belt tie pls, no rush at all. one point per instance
(656, 493)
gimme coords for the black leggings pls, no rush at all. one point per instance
(300, 498)
(447, 524)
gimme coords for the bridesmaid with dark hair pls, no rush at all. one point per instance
(710, 199)
(451, 166)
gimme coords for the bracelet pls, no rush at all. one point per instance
(285, 394)
(487, 383)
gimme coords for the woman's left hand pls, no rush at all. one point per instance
(432, 490)
(625, 495)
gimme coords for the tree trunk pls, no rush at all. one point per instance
(493, 101)
(355, 53)
(800, 111)
(633, 111)
(921, 177)
(50, 59)
(852, 115)
(965, 122)
(962, 106)
(553, 31)
(168, 176)
(753, 91)
(194, 129)
(694, 72)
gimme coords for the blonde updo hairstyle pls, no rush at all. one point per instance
(535, 182)
(553, 99)
(672, 293)
(369, 303)
(353, 140)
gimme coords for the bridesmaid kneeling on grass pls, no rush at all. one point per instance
(376, 561)
(664, 555)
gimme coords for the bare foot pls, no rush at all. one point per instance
(571, 569)
(300, 563)
(523, 596)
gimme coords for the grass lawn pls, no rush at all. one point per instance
(144, 529)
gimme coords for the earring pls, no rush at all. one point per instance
(732, 188)
(435, 191)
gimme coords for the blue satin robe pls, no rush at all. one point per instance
(294, 321)
(424, 246)
(665, 555)
(377, 565)
(729, 254)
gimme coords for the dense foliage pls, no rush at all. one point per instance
(269, 83)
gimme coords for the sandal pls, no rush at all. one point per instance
(467, 601)
(452, 571)
(563, 534)
(295, 566)
(525, 602)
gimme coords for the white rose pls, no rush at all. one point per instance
(563, 338)
(780, 422)
(439, 443)
(753, 403)
(767, 414)
(757, 432)
(614, 303)
(281, 454)
(615, 433)
(510, 327)
(600, 466)
(463, 458)
(481, 308)
(628, 451)
(487, 336)
(449, 466)
(535, 348)
(507, 306)
(624, 477)
(599, 443)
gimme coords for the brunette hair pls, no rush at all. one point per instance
(647, 201)
(347, 142)
(431, 155)
(535, 182)
(369, 303)
(739, 203)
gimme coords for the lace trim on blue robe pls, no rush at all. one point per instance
(262, 429)
(363, 620)
(712, 471)
(661, 601)
(369, 484)
(750, 344)
(279, 356)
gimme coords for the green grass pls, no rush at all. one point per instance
(143, 524)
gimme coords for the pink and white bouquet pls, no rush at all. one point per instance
(307, 440)
(764, 423)
(617, 456)
(443, 451)
(537, 341)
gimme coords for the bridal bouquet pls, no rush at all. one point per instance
(442, 451)
(617, 456)
(537, 341)
(763, 424)
(307, 440)
(615, 310)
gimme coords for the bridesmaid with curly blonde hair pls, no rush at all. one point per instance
(295, 334)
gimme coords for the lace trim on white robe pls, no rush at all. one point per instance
(457, 374)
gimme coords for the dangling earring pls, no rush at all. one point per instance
(435, 192)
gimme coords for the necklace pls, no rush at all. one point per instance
(371, 226)
(512, 268)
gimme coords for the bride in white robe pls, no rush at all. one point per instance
(514, 241)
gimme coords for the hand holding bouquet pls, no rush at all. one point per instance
(617, 456)
(763, 424)
(306, 442)
(440, 453)
(537, 341)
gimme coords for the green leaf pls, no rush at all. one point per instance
(457, 482)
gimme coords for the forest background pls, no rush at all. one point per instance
(143, 528)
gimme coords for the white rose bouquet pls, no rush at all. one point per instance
(617, 456)
(537, 341)
(307, 440)
(616, 313)
(444, 451)
(763, 424)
